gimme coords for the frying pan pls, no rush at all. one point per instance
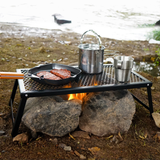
(32, 73)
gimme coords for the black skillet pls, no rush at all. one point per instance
(32, 73)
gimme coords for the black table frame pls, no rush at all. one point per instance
(24, 95)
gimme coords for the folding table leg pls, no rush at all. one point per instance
(150, 100)
(13, 92)
(18, 116)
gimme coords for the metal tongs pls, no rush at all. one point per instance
(11, 75)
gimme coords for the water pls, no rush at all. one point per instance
(123, 20)
(112, 19)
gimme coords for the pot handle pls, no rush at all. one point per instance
(98, 37)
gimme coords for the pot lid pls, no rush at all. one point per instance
(91, 46)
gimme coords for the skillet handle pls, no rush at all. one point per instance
(11, 75)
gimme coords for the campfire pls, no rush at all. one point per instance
(76, 96)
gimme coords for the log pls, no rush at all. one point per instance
(60, 19)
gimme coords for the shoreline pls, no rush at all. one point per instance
(16, 28)
(138, 49)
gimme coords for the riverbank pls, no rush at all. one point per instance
(23, 47)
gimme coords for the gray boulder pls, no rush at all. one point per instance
(51, 115)
(107, 112)
(157, 23)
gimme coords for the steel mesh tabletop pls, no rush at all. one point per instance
(86, 81)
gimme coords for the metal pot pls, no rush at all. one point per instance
(91, 56)
(123, 66)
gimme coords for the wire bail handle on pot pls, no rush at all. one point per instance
(91, 55)
(97, 36)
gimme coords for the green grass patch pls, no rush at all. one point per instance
(155, 34)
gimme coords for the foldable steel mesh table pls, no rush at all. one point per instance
(83, 84)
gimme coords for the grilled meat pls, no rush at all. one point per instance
(62, 73)
(48, 75)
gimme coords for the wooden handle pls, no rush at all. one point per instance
(11, 75)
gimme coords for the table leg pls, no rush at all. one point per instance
(150, 100)
(13, 92)
(19, 116)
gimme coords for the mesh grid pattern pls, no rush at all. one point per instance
(107, 77)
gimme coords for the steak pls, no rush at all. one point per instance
(62, 73)
(48, 75)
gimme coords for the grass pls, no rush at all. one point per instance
(155, 34)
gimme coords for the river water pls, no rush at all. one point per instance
(123, 20)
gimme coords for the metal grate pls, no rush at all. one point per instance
(84, 84)
(107, 77)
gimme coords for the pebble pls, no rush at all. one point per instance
(81, 134)
(152, 88)
(158, 135)
(67, 148)
(82, 156)
(54, 141)
(2, 114)
(156, 118)
(2, 133)
(62, 145)
(21, 138)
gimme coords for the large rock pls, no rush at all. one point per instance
(157, 23)
(107, 112)
(51, 115)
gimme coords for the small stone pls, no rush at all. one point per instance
(2, 133)
(21, 138)
(152, 88)
(82, 156)
(54, 141)
(158, 135)
(81, 134)
(62, 145)
(68, 42)
(2, 114)
(67, 148)
(34, 134)
(114, 140)
(156, 117)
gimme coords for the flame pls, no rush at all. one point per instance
(76, 96)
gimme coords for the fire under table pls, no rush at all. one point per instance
(84, 83)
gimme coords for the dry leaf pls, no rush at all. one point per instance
(71, 136)
(119, 134)
(141, 137)
(109, 137)
(94, 150)
(77, 153)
